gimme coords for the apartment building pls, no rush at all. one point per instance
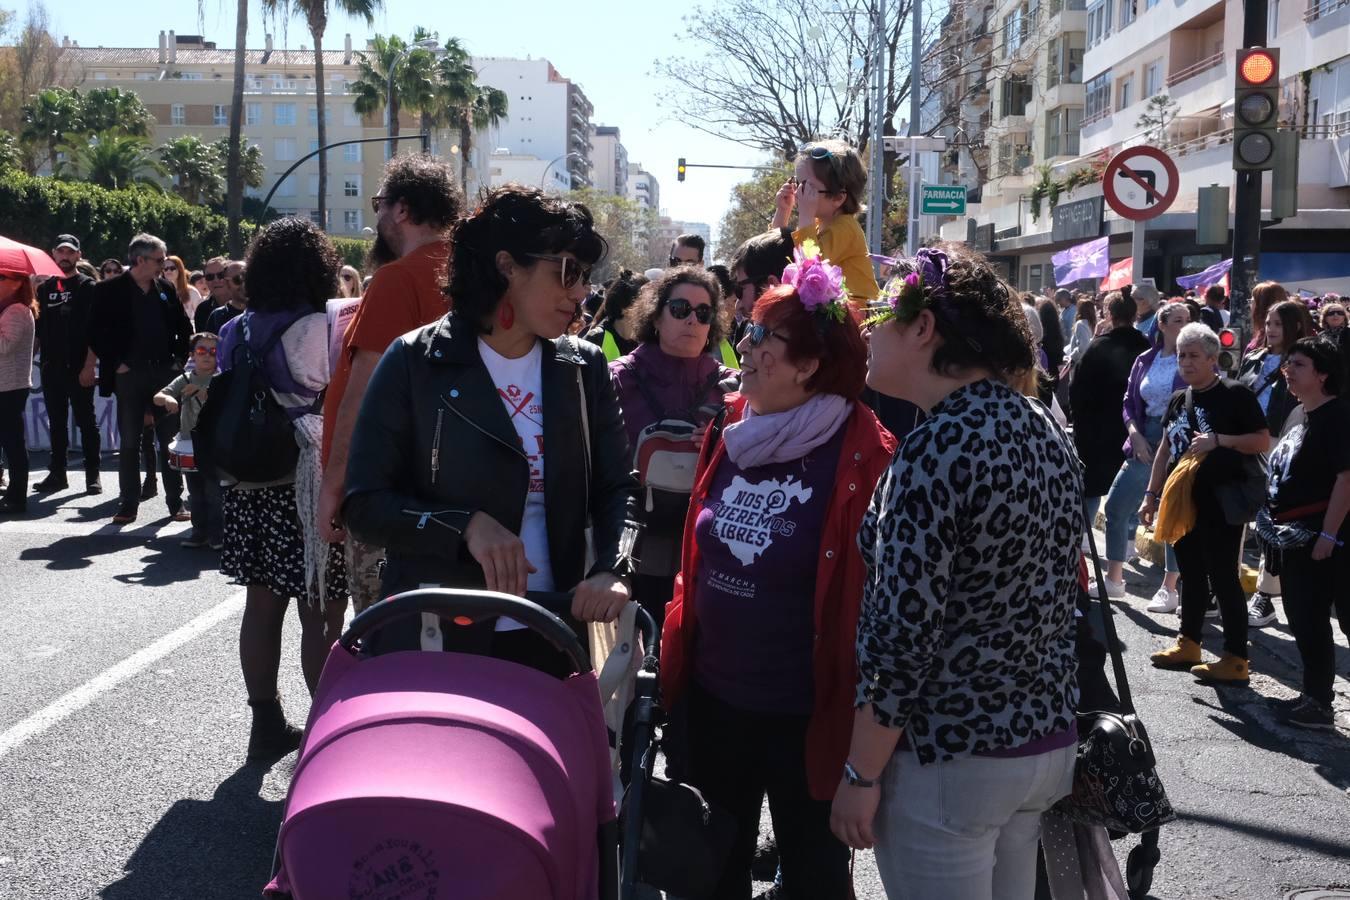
(550, 115)
(609, 158)
(643, 188)
(1137, 50)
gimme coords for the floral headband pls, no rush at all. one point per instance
(921, 283)
(819, 284)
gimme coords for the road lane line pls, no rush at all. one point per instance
(75, 700)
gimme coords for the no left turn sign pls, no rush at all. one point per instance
(1140, 183)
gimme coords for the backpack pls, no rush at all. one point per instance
(665, 457)
(242, 429)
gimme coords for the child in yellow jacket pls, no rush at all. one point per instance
(826, 190)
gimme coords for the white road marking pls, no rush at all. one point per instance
(75, 700)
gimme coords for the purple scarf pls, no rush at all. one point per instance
(759, 440)
(262, 328)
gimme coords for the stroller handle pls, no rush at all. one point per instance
(540, 612)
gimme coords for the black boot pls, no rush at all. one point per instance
(271, 737)
(55, 481)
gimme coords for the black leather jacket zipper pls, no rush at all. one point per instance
(514, 449)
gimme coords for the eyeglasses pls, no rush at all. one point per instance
(111, 270)
(170, 267)
(375, 203)
(758, 334)
(1333, 312)
(214, 276)
(572, 270)
(205, 351)
(348, 277)
(237, 279)
(157, 260)
(680, 308)
(819, 152)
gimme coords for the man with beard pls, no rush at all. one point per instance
(139, 334)
(417, 202)
(217, 291)
(235, 300)
(64, 304)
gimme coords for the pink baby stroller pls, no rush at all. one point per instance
(451, 775)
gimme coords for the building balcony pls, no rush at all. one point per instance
(1176, 80)
(1320, 9)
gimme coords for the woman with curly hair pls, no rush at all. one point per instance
(272, 544)
(671, 376)
(489, 440)
(964, 731)
(760, 631)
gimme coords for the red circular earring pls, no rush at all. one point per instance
(507, 316)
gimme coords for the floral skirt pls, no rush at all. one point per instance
(264, 545)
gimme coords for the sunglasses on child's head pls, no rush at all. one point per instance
(680, 308)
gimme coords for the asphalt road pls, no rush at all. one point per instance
(122, 729)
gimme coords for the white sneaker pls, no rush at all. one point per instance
(1114, 589)
(1165, 601)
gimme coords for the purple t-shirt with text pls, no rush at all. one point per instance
(759, 535)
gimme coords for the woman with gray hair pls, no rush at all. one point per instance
(1214, 422)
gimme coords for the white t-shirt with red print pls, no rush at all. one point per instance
(520, 384)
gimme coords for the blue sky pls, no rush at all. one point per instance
(607, 47)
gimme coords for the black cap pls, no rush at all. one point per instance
(67, 240)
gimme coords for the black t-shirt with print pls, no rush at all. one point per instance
(1225, 408)
(1304, 466)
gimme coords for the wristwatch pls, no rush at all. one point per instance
(854, 779)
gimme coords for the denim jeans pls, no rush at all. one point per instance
(966, 829)
(1127, 492)
(205, 504)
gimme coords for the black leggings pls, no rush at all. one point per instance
(735, 758)
(1310, 588)
(12, 441)
(1208, 559)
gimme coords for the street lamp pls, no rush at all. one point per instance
(544, 177)
(431, 44)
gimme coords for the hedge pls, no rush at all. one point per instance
(35, 210)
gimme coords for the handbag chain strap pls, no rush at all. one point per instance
(1109, 629)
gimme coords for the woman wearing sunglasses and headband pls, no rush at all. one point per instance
(827, 188)
(488, 441)
(965, 730)
(671, 378)
(759, 642)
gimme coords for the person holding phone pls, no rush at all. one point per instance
(671, 377)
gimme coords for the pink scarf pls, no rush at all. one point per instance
(758, 440)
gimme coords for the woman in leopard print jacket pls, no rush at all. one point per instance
(964, 731)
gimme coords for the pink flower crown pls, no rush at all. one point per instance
(819, 284)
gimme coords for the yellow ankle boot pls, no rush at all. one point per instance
(1228, 670)
(1182, 655)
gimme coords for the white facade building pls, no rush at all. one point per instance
(550, 117)
(503, 167)
(610, 160)
(643, 188)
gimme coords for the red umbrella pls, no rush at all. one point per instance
(26, 260)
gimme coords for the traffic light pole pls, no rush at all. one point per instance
(1247, 200)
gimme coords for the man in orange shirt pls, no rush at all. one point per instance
(415, 207)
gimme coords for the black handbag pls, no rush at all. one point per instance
(1115, 780)
(1241, 498)
(685, 839)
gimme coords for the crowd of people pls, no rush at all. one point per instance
(846, 589)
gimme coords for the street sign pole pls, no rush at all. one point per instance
(1137, 253)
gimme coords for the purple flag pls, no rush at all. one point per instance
(1090, 260)
(1201, 280)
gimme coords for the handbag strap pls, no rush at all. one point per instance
(1109, 631)
(1190, 410)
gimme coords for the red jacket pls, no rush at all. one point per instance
(865, 454)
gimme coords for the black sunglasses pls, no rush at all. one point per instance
(375, 203)
(1333, 312)
(237, 279)
(110, 270)
(680, 308)
(758, 334)
(572, 270)
(213, 276)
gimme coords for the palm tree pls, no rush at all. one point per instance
(315, 14)
(110, 160)
(49, 118)
(464, 104)
(112, 109)
(251, 166)
(413, 84)
(197, 168)
(234, 176)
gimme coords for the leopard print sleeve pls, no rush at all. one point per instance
(909, 539)
(966, 635)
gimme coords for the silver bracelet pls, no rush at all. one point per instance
(1332, 538)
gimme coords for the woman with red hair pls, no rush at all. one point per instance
(18, 313)
(760, 634)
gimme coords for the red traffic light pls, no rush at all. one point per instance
(1228, 339)
(1257, 67)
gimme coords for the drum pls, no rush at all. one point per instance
(181, 456)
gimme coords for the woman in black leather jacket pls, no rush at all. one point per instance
(489, 441)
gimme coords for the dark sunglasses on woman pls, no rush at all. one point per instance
(572, 270)
(680, 308)
(758, 333)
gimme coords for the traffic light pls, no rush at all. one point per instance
(1256, 109)
(1230, 349)
(679, 170)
